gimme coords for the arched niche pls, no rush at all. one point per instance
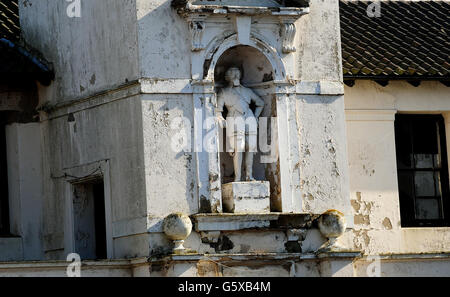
(257, 74)
(255, 67)
(217, 47)
(213, 33)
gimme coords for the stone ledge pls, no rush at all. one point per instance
(63, 264)
(231, 222)
(414, 256)
(256, 257)
(127, 263)
(342, 255)
(241, 10)
(299, 87)
(234, 222)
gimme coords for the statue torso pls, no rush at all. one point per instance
(237, 101)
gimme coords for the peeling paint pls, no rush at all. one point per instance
(362, 220)
(208, 269)
(387, 224)
(223, 244)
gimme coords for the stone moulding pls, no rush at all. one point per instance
(197, 14)
(231, 222)
(180, 86)
(234, 222)
(288, 33)
(197, 27)
(190, 8)
(229, 259)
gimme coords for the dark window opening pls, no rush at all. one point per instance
(89, 220)
(4, 208)
(422, 170)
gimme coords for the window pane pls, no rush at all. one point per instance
(403, 144)
(424, 182)
(425, 136)
(427, 209)
(423, 160)
(406, 185)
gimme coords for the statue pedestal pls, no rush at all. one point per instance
(246, 197)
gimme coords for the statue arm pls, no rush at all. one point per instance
(219, 110)
(220, 105)
(259, 103)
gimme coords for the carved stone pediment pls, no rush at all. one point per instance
(285, 12)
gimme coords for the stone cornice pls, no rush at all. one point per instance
(233, 222)
(183, 86)
(192, 9)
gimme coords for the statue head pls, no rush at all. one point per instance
(233, 76)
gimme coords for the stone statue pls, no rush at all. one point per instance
(237, 99)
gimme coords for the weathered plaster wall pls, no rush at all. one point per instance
(92, 53)
(370, 111)
(398, 95)
(164, 41)
(170, 175)
(323, 166)
(321, 121)
(319, 43)
(116, 41)
(118, 268)
(405, 268)
(25, 187)
(81, 139)
(163, 48)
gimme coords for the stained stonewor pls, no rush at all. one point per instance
(246, 197)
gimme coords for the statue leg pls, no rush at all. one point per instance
(239, 149)
(251, 148)
(249, 166)
(237, 159)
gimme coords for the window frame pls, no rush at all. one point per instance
(88, 172)
(407, 208)
(4, 191)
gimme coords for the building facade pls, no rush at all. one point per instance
(118, 158)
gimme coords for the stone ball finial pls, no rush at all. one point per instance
(177, 227)
(332, 224)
